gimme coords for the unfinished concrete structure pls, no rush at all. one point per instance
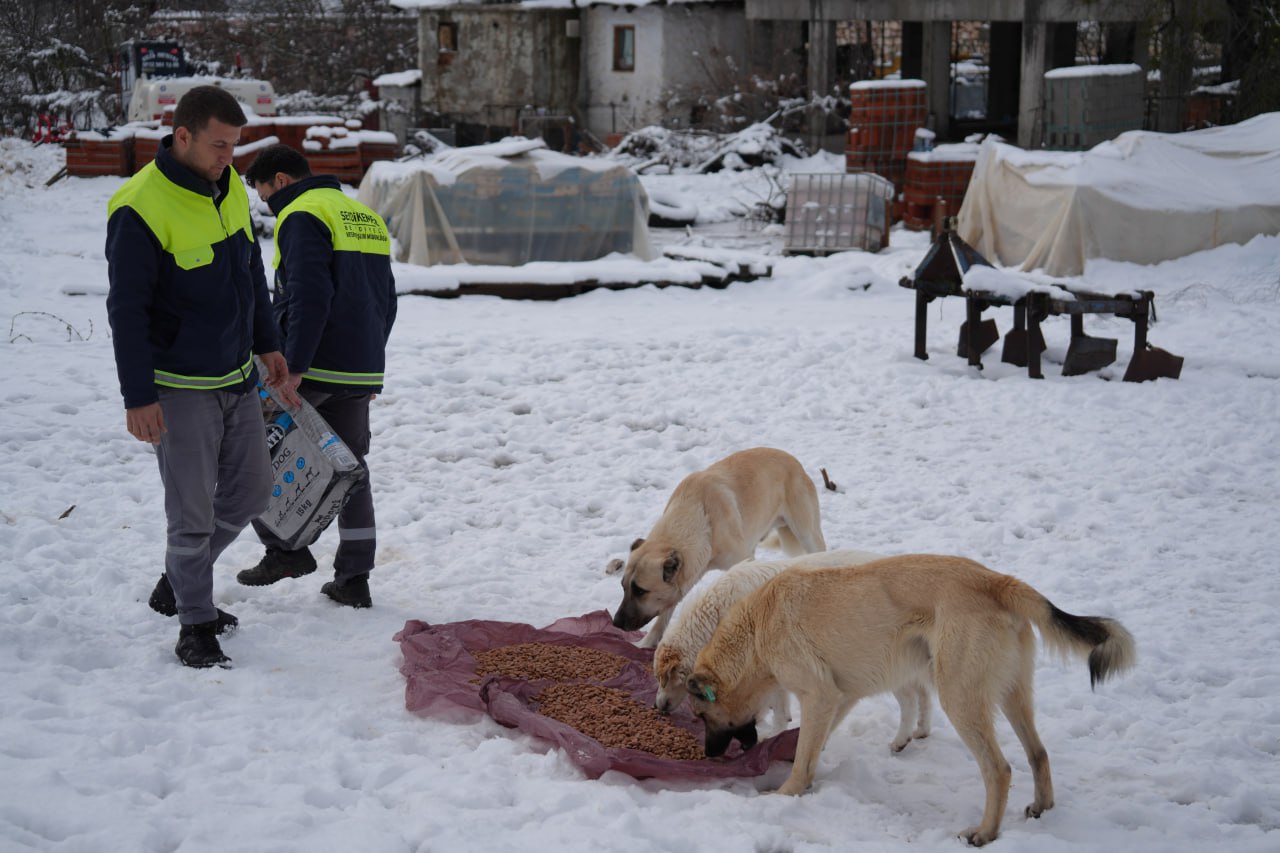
(1027, 39)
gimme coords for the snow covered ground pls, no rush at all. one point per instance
(521, 445)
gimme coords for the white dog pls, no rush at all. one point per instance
(714, 519)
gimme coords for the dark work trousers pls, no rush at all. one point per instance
(348, 415)
(217, 478)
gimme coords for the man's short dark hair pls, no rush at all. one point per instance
(274, 159)
(202, 103)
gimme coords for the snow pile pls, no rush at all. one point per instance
(519, 446)
(657, 149)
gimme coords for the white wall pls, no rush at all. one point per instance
(635, 95)
(667, 36)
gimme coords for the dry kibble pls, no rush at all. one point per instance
(614, 719)
(548, 662)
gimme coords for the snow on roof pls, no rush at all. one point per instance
(399, 78)
(1121, 70)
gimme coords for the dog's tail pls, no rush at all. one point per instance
(1106, 643)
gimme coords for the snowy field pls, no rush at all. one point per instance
(521, 445)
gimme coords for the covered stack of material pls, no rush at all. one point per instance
(1145, 197)
(509, 203)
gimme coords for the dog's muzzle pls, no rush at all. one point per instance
(628, 619)
(718, 740)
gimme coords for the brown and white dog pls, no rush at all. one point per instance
(696, 621)
(834, 636)
(714, 519)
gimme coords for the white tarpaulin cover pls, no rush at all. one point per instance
(509, 203)
(1143, 197)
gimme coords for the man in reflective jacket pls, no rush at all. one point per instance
(335, 303)
(188, 306)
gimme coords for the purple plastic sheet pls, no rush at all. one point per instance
(440, 680)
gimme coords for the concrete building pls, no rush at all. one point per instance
(491, 68)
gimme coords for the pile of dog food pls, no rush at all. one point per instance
(612, 717)
(607, 714)
(548, 662)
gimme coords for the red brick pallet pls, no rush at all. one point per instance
(343, 163)
(928, 179)
(88, 158)
(293, 133)
(883, 120)
(371, 152)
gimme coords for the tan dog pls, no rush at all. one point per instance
(714, 519)
(696, 621)
(833, 636)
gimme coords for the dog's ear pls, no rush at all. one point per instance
(702, 688)
(670, 566)
(636, 544)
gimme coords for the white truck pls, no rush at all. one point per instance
(152, 97)
(154, 75)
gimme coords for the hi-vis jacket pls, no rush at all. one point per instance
(188, 302)
(335, 296)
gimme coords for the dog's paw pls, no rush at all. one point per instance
(977, 838)
(899, 745)
(1038, 808)
(615, 565)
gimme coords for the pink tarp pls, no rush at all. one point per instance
(440, 678)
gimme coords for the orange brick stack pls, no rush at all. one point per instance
(931, 175)
(257, 130)
(883, 119)
(293, 130)
(342, 160)
(90, 157)
(145, 145)
(372, 150)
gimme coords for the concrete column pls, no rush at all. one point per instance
(936, 73)
(821, 75)
(1036, 57)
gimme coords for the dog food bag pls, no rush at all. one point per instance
(312, 469)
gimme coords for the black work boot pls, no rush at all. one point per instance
(198, 646)
(163, 602)
(277, 565)
(353, 592)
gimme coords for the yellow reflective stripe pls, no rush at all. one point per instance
(205, 383)
(340, 378)
(352, 226)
